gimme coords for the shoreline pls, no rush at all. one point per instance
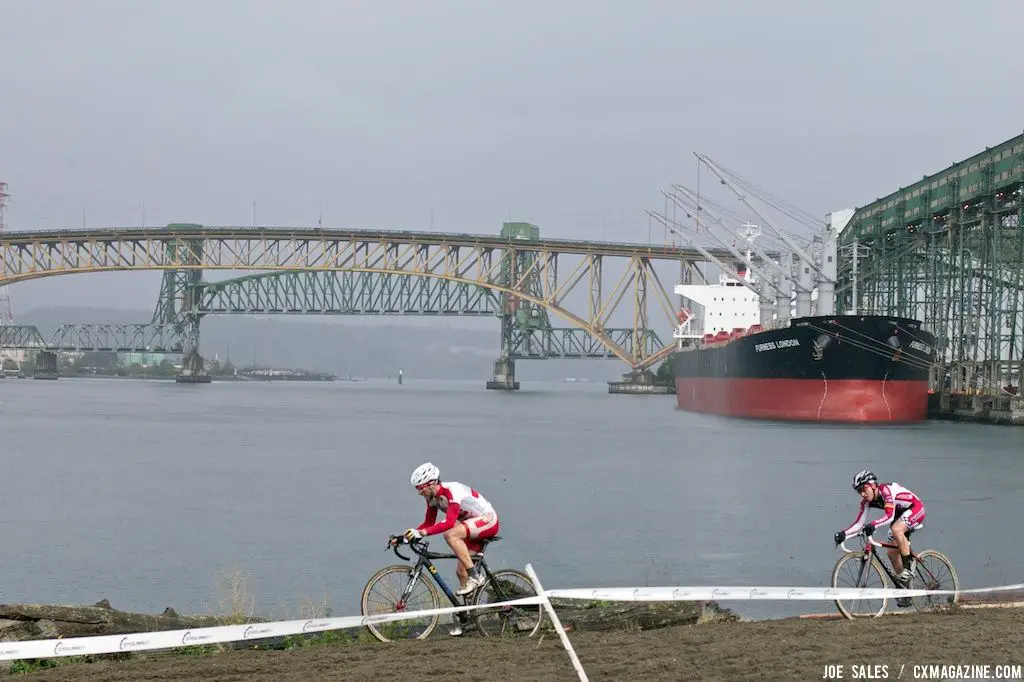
(788, 648)
(215, 378)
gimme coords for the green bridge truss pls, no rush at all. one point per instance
(156, 338)
(184, 300)
(343, 293)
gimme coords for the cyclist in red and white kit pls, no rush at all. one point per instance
(904, 511)
(468, 518)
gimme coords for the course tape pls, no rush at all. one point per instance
(168, 639)
(755, 593)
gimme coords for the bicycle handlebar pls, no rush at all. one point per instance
(395, 541)
(870, 539)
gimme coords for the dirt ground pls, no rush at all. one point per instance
(791, 649)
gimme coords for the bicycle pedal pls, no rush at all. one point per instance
(460, 629)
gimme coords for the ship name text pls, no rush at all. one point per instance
(923, 347)
(774, 345)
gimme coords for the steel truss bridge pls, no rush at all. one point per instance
(949, 250)
(518, 277)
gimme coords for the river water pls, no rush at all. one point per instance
(151, 494)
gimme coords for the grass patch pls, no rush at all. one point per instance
(234, 604)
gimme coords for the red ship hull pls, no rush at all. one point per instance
(837, 400)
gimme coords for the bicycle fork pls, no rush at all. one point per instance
(865, 569)
(414, 577)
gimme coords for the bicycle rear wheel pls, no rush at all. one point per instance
(934, 571)
(384, 594)
(507, 621)
(848, 573)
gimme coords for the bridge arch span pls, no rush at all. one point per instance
(525, 271)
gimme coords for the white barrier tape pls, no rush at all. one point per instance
(754, 593)
(167, 639)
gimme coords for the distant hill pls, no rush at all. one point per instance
(453, 348)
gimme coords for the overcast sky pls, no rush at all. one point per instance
(571, 114)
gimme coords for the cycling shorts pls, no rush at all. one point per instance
(913, 517)
(479, 528)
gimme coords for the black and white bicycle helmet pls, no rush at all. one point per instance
(866, 476)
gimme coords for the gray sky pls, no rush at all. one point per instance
(573, 115)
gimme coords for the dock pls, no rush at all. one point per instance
(642, 383)
(640, 389)
(986, 409)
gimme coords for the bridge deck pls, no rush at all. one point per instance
(579, 246)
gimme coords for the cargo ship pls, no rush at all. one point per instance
(825, 368)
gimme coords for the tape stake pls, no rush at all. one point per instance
(558, 624)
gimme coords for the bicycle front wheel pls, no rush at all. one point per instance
(507, 621)
(934, 571)
(395, 589)
(850, 571)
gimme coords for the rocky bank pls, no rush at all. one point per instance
(42, 621)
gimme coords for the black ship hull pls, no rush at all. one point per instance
(840, 368)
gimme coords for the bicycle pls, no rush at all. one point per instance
(415, 593)
(867, 563)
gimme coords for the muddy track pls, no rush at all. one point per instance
(791, 649)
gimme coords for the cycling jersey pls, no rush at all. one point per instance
(459, 502)
(897, 501)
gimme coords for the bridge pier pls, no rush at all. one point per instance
(45, 365)
(178, 305)
(504, 376)
(193, 370)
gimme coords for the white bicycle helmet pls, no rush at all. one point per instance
(863, 477)
(425, 473)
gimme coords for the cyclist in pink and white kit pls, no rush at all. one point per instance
(468, 518)
(904, 511)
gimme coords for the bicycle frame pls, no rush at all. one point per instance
(426, 561)
(869, 552)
